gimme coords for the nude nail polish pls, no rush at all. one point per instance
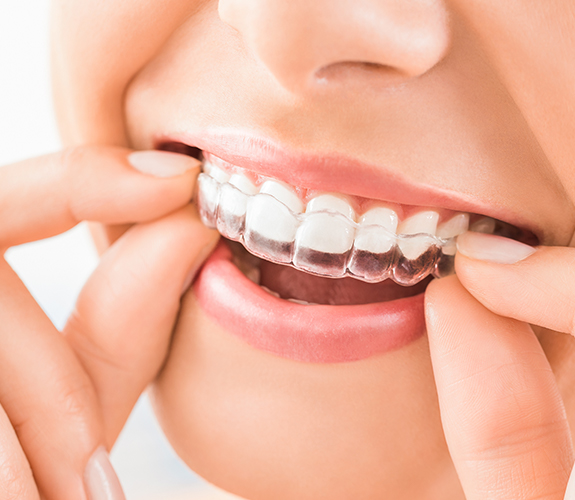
(100, 479)
(570, 493)
(491, 248)
(162, 163)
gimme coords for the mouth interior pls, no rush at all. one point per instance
(288, 283)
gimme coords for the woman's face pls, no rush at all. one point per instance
(463, 105)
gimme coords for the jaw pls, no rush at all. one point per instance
(205, 376)
(264, 427)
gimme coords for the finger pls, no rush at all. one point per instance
(125, 314)
(16, 479)
(538, 289)
(502, 414)
(45, 196)
(45, 393)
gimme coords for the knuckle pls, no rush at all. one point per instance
(522, 407)
(510, 440)
(72, 400)
(74, 394)
(70, 159)
(71, 163)
(74, 155)
(526, 460)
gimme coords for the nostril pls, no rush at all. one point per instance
(347, 71)
(308, 44)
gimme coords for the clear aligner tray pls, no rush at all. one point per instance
(324, 242)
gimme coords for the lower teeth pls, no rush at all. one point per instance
(302, 302)
(271, 292)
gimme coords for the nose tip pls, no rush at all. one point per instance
(310, 43)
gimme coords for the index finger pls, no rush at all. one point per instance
(502, 414)
(44, 196)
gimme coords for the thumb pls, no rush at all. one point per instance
(124, 316)
(501, 410)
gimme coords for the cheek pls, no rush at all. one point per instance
(99, 46)
(251, 422)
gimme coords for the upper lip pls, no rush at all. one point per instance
(335, 173)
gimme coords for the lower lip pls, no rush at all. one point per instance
(313, 334)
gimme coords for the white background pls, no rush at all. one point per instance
(55, 269)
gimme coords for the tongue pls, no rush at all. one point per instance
(293, 284)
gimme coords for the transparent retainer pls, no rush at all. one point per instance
(406, 259)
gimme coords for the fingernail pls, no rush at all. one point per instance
(100, 479)
(570, 493)
(492, 248)
(162, 163)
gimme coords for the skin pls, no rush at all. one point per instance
(472, 97)
(79, 388)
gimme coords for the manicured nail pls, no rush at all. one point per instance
(100, 479)
(492, 248)
(162, 163)
(570, 493)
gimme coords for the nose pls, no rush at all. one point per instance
(312, 43)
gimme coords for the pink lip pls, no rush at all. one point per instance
(316, 334)
(336, 173)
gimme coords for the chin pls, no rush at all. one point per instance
(265, 427)
(300, 367)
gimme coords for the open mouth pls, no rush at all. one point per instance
(308, 250)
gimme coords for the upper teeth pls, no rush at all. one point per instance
(326, 236)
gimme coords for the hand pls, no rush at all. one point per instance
(64, 398)
(503, 416)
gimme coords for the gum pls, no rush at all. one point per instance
(223, 207)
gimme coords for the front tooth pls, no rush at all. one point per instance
(323, 242)
(283, 193)
(419, 250)
(423, 224)
(420, 223)
(243, 184)
(270, 228)
(331, 203)
(377, 231)
(233, 204)
(382, 216)
(231, 212)
(374, 246)
(453, 227)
